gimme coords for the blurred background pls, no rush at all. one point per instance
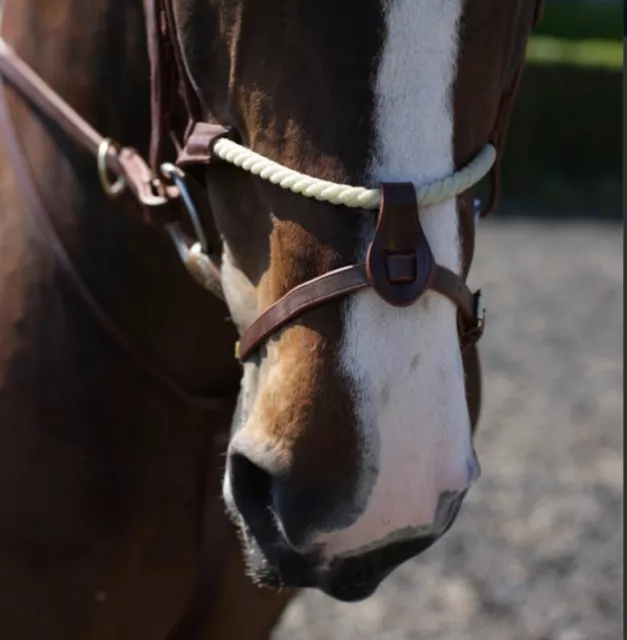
(536, 553)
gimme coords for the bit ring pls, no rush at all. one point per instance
(111, 189)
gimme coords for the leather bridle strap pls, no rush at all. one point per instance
(126, 162)
(501, 125)
(169, 82)
(399, 266)
(338, 283)
(310, 294)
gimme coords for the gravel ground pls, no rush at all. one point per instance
(536, 553)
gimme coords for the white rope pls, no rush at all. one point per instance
(347, 195)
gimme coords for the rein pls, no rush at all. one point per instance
(399, 265)
(129, 164)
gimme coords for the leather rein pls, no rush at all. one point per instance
(399, 265)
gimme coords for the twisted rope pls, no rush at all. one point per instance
(347, 195)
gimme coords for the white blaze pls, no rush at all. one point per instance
(404, 364)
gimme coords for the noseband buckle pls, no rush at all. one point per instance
(470, 331)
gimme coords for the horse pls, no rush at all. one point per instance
(111, 525)
(348, 428)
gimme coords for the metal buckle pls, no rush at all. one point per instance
(470, 335)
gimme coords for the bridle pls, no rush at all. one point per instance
(399, 265)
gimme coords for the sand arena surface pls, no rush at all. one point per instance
(536, 553)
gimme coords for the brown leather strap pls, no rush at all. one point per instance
(471, 314)
(126, 163)
(499, 134)
(501, 126)
(161, 82)
(132, 351)
(306, 296)
(169, 31)
(341, 282)
(452, 286)
(170, 82)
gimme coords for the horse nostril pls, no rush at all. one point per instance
(251, 489)
(269, 502)
(296, 513)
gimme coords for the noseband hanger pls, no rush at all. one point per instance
(399, 262)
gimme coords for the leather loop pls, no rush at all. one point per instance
(198, 148)
(399, 262)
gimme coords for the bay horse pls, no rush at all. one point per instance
(111, 525)
(348, 426)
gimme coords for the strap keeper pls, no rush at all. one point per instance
(198, 148)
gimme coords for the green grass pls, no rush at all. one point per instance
(590, 53)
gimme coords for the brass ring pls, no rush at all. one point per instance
(111, 189)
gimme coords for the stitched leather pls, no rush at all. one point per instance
(399, 261)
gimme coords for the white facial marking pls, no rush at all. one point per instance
(239, 292)
(404, 365)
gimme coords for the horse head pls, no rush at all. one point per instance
(351, 449)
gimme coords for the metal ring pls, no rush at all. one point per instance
(111, 189)
(174, 173)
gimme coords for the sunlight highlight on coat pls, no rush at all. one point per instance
(404, 365)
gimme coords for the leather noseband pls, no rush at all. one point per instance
(399, 267)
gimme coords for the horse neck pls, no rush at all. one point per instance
(94, 55)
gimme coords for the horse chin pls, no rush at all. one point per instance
(348, 579)
(276, 566)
